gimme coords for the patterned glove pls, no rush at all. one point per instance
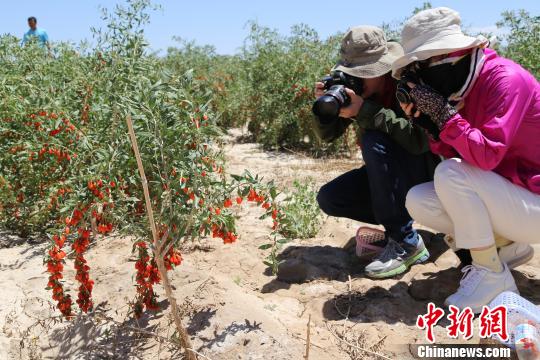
(431, 103)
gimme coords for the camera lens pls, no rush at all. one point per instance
(402, 94)
(327, 107)
(403, 89)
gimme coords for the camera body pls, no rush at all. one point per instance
(403, 90)
(327, 107)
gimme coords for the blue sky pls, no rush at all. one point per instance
(222, 23)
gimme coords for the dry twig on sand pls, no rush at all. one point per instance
(308, 338)
(356, 343)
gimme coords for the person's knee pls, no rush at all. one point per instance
(450, 170)
(449, 174)
(325, 199)
(414, 202)
(422, 202)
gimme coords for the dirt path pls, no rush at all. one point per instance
(234, 308)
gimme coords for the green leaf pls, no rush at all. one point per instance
(273, 193)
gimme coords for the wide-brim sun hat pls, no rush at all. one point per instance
(365, 53)
(430, 33)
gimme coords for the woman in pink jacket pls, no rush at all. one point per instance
(487, 112)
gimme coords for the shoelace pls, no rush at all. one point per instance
(472, 275)
(407, 228)
(411, 236)
(391, 251)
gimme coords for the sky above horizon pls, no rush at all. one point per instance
(223, 23)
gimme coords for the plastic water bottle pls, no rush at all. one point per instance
(523, 319)
(527, 342)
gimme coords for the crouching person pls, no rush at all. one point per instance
(395, 151)
(487, 109)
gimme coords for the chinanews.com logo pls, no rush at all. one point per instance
(461, 352)
(492, 322)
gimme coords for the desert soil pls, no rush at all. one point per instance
(233, 307)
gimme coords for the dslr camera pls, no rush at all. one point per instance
(403, 94)
(327, 107)
(403, 90)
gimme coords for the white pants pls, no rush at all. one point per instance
(471, 204)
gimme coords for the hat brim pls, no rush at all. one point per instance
(437, 47)
(382, 66)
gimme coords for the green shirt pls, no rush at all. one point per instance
(373, 116)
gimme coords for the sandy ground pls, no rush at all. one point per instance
(234, 308)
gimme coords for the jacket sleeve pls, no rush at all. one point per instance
(486, 144)
(443, 149)
(375, 117)
(329, 131)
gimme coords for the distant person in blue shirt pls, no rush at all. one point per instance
(41, 34)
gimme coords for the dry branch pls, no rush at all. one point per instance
(185, 342)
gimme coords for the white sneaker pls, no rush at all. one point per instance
(480, 285)
(516, 254)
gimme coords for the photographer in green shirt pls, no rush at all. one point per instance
(395, 151)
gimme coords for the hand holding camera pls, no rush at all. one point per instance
(433, 104)
(407, 82)
(337, 96)
(420, 102)
(354, 107)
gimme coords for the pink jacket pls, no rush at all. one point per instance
(498, 128)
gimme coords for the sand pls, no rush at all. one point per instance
(233, 307)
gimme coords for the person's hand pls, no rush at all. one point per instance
(354, 107)
(433, 104)
(409, 109)
(319, 90)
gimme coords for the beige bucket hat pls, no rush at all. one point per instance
(365, 53)
(430, 33)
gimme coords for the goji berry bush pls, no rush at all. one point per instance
(268, 86)
(67, 168)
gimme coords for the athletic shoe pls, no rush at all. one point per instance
(396, 258)
(479, 285)
(516, 254)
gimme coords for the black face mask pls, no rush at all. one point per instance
(446, 78)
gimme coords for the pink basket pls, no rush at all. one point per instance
(365, 237)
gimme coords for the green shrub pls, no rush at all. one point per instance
(268, 85)
(522, 42)
(302, 215)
